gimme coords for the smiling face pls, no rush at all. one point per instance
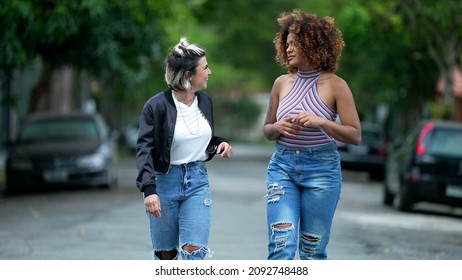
(295, 56)
(200, 77)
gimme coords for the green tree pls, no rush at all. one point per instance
(175, 19)
(121, 45)
(439, 25)
(243, 45)
(109, 40)
(14, 25)
(384, 62)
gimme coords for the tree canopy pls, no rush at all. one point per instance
(395, 49)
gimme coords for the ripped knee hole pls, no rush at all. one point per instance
(190, 248)
(310, 238)
(282, 225)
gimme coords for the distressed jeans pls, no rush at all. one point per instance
(185, 199)
(303, 189)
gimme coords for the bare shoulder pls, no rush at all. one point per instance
(283, 84)
(334, 83)
(284, 79)
(339, 82)
(332, 80)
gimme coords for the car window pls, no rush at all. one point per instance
(59, 130)
(446, 142)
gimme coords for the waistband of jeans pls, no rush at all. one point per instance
(193, 163)
(323, 148)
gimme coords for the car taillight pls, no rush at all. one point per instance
(383, 151)
(420, 148)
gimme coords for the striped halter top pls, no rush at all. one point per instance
(304, 97)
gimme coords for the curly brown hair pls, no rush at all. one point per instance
(317, 37)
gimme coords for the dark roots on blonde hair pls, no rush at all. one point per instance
(317, 37)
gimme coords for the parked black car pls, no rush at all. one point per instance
(370, 155)
(426, 167)
(61, 150)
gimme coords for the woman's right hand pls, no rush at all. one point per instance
(287, 126)
(152, 203)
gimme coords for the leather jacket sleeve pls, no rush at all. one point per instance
(145, 180)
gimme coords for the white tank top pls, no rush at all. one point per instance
(191, 136)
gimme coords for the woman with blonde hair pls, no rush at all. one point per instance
(175, 139)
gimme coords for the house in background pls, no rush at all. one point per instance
(457, 92)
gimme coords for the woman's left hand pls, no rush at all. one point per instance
(225, 150)
(309, 119)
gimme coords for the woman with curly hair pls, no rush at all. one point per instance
(304, 176)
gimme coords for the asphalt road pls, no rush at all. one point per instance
(111, 225)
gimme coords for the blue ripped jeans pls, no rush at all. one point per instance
(185, 199)
(303, 189)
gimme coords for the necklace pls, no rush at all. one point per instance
(178, 105)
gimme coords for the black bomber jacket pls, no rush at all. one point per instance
(155, 136)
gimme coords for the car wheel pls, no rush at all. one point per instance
(405, 199)
(8, 191)
(377, 174)
(10, 187)
(388, 198)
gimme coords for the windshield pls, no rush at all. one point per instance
(71, 129)
(446, 142)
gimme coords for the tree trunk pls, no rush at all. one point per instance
(61, 90)
(110, 106)
(39, 97)
(458, 109)
(52, 93)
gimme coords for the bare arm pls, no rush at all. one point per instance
(270, 132)
(273, 128)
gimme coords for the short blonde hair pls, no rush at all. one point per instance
(181, 64)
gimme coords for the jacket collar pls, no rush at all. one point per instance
(169, 95)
